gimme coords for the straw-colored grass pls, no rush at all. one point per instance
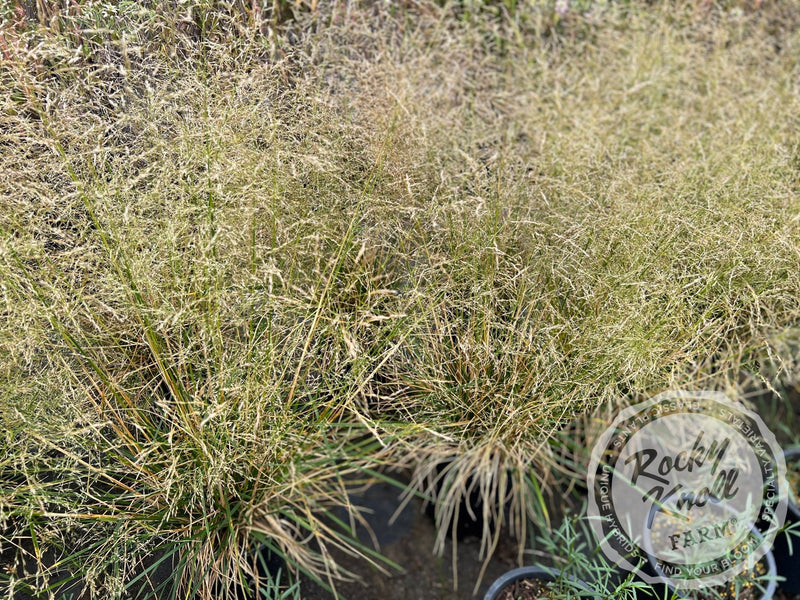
(239, 260)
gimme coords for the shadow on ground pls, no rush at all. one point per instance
(409, 542)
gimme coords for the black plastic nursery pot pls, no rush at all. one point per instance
(788, 561)
(470, 521)
(531, 582)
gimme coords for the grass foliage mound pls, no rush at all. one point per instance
(248, 254)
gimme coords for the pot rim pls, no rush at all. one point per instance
(532, 572)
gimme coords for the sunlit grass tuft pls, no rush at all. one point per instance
(242, 261)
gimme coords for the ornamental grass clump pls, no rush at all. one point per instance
(244, 254)
(595, 212)
(182, 374)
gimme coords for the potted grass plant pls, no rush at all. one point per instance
(188, 419)
(193, 399)
(459, 375)
(576, 570)
(529, 583)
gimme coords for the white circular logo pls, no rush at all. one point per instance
(687, 487)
